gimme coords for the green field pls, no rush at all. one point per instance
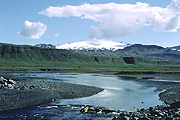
(123, 68)
(16, 57)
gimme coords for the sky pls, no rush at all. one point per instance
(58, 22)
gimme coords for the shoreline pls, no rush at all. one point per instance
(42, 92)
(115, 71)
(170, 92)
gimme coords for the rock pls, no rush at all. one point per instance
(108, 111)
(10, 86)
(151, 108)
(6, 83)
(31, 87)
(90, 110)
(175, 104)
(126, 117)
(121, 118)
(136, 118)
(115, 118)
(142, 109)
(144, 119)
(24, 87)
(169, 118)
(162, 112)
(12, 81)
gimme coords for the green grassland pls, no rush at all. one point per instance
(146, 67)
(23, 57)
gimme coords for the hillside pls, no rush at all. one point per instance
(107, 47)
(176, 48)
(24, 57)
(34, 54)
(30, 56)
(150, 51)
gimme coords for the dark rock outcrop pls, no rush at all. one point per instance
(129, 60)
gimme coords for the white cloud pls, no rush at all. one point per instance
(118, 20)
(56, 35)
(33, 30)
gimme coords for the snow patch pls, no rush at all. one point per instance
(94, 44)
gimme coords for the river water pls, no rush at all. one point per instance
(118, 94)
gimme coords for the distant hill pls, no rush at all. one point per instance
(151, 51)
(106, 47)
(20, 57)
(34, 54)
(138, 50)
(25, 55)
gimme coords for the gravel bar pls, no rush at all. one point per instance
(31, 92)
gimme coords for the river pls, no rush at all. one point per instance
(118, 94)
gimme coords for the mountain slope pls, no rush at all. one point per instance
(104, 47)
(136, 50)
(151, 51)
(176, 48)
(34, 54)
(24, 57)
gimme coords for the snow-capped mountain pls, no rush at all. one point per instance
(175, 48)
(45, 45)
(94, 44)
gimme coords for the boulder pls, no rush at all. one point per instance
(6, 83)
(91, 110)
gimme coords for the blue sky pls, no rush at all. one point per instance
(64, 21)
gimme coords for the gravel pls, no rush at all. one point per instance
(30, 92)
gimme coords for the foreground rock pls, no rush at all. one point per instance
(26, 93)
(96, 110)
(156, 113)
(163, 112)
(6, 83)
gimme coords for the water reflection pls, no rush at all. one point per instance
(118, 94)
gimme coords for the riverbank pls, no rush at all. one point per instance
(30, 92)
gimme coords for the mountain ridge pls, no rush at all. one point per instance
(26, 57)
(129, 50)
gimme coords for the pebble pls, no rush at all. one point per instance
(153, 113)
(160, 112)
